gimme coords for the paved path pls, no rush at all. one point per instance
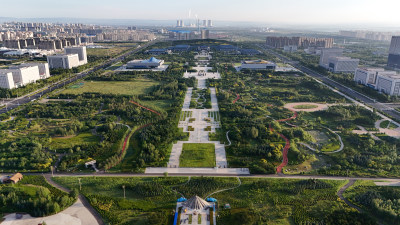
(159, 171)
(90, 213)
(342, 190)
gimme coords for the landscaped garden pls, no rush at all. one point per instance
(251, 200)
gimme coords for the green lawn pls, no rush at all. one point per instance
(385, 125)
(67, 143)
(197, 155)
(134, 87)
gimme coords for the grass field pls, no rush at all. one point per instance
(67, 143)
(105, 51)
(134, 87)
(197, 155)
(305, 106)
(385, 125)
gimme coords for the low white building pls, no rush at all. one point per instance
(388, 84)
(343, 64)
(6, 80)
(368, 76)
(145, 64)
(258, 65)
(63, 61)
(44, 71)
(24, 75)
(81, 51)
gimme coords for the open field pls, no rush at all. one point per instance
(306, 106)
(70, 142)
(134, 87)
(197, 155)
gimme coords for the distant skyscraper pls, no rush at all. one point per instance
(209, 23)
(180, 23)
(205, 34)
(394, 53)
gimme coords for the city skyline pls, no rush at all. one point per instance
(268, 12)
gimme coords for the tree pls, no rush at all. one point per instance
(74, 193)
(254, 132)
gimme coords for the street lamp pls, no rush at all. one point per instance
(123, 187)
(80, 185)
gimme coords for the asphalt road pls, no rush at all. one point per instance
(23, 100)
(386, 108)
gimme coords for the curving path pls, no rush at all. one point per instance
(227, 138)
(92, 217)
(287, 145)
(227, 189)
(284, 152)
(153, 111)
(237, 98)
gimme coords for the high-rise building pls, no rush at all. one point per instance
(81, 51)
(209, 23)
(394, 53)
(205, 34)
(304, 42)
(328, 53)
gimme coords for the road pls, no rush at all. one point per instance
(386, 108)
(276, 176)
(31, 97)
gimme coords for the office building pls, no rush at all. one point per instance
(209, 23)
(145, 64)
(44, 71)
(21, 75)
(394, 53)
(328, 53)
(258, 65)
(290, 48)
(205, 34)
(343, 64)
(368, 76)
(6, 80)
(388, 84)
(81, 51)
(63, 61)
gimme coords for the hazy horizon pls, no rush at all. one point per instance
(285, 12)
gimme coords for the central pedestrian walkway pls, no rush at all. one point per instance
(199, 125)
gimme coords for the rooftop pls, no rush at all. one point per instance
(260, 61)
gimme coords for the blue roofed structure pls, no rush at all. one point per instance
(145, 64)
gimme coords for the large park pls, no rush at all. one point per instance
(203, 115)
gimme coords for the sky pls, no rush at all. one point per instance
(383, 12)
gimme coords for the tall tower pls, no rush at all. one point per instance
(394, 53)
